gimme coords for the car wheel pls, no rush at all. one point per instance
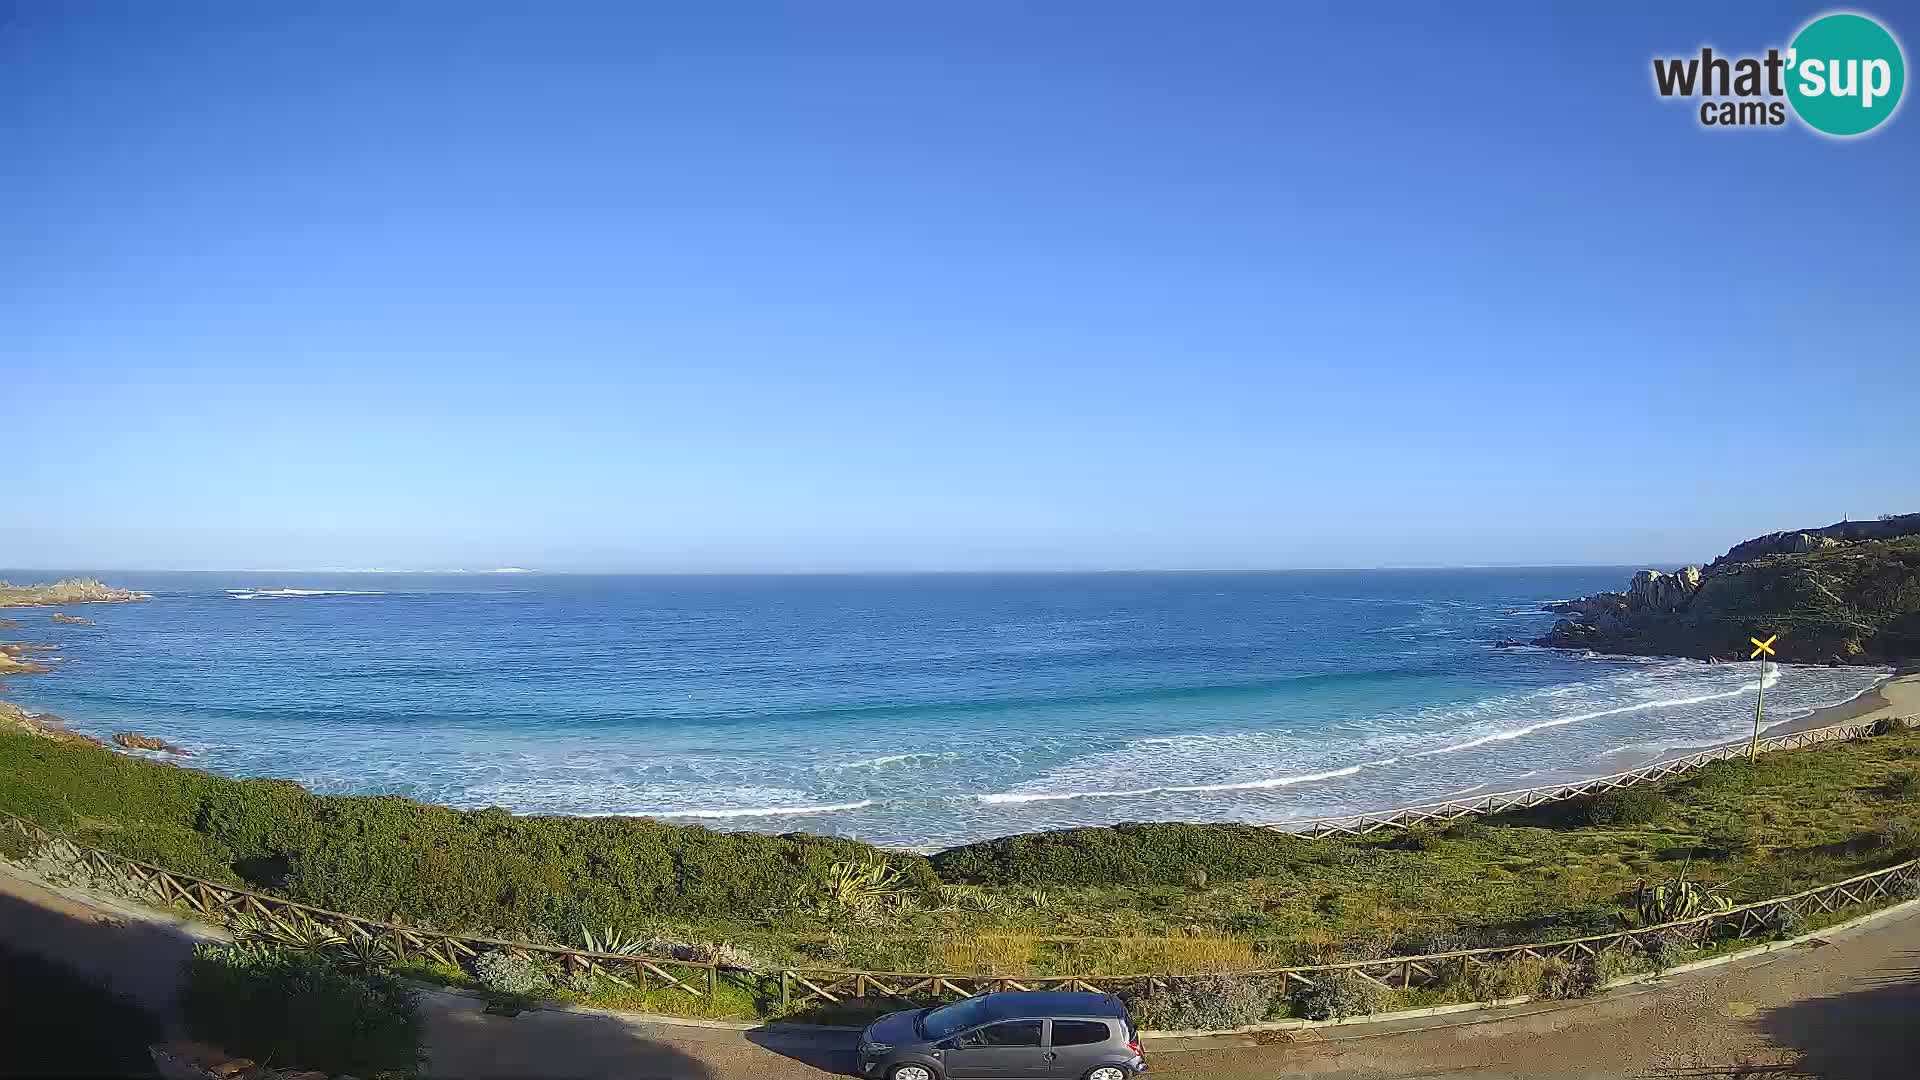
(1108, 1072)
(912, 1072)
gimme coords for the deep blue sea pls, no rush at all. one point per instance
(907, 710)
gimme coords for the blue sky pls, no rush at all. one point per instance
(930, 286)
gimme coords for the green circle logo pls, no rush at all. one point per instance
(1844, 74)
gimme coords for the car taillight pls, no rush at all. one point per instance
(1135, 1047)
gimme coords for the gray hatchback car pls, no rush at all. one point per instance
(1031, 1035)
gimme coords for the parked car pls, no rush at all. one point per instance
(1038, 1035)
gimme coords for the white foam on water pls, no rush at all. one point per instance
(763, 811)
(279, 594)
(1772, 677)
(1246, 785)
(897, 759)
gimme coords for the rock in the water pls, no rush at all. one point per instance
(133, 740)
(75, 620)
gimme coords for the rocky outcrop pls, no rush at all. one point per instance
(16, 658)
(74, 620)
(1847, 593)
(45, 725)
(133, 740)
(1800, 542)
(70, 591)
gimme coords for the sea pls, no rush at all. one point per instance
(909, 710)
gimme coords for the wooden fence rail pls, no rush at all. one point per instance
(801, 987)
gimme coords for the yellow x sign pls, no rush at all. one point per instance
(1762, 646)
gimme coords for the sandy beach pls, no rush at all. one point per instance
(1898, 696)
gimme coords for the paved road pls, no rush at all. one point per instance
(1845, 1008)
(1842, 1008)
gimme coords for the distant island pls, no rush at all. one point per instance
(70, 591)
(1848, 593)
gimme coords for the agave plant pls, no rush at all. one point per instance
(853, 888)
(612, 941)
(293, 934)
(362, 953)
(1677, 898)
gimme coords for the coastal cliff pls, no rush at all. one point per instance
(1847, 593)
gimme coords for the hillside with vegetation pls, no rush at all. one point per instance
(1846, 594)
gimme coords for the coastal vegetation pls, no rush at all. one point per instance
(285, 1005)
(1847, 593)
(1120, 900)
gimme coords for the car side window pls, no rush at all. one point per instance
(1079, 1032)
(1006, 1033)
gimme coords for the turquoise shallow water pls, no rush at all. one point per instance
(911, 710)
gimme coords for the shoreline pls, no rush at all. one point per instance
(1896, 695)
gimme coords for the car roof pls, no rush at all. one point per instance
(1009, 1004)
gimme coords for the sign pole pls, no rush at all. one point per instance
(1761, 650)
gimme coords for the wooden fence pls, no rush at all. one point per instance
(799, 988)
(1436, 813)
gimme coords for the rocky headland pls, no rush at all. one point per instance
(1844, 594)
(70, 591)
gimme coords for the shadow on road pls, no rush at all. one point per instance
(59, 1024)
(829, 1051)
(143, 962)
(469, 1043)
(1865, 1034)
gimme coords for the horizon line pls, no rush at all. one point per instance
(1036, 571)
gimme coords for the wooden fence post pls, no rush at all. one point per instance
(786, 990)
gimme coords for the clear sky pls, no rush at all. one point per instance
(886, 285)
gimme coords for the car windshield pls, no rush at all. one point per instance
(948, 1019)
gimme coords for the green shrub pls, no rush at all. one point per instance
(1416, 840)
(1731, 840)
(1716, 780)
(1902, 785)
(1567, 979)
(476, 871)
(511, 974)
(1616, 963)
(1335, 997)
(1242, 922)
(1525, 976)
(1628, 806)
(1898, 836)
(1203, 1003)
(298, 1010)
(1136, 854)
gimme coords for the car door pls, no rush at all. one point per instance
(1004, 1051)
(1078, 1045)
